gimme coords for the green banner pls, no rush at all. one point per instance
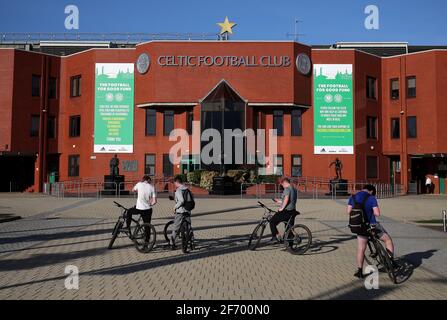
(114, 103)
(333, 109)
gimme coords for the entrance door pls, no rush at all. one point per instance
(224, 109)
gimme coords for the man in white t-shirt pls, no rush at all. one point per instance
(428, 184)
(145, 201)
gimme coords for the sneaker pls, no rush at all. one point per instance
(359, 274)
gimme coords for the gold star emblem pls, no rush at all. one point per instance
(226, 26)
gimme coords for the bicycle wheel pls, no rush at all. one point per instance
(168, 231)
(387, 262)
(184, 234)
(115, 233)
(192, 244)
(144, 237)
(298, 239)
(256, 237)
(371, 256)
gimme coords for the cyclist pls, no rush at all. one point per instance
(372, 212)
(145, 201)
(287, 208)
(179, 208)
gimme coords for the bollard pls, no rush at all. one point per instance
(444, 219)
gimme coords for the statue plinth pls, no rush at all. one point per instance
(338, 187)
(114, 185)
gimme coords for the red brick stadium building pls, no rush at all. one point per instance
(47, 101)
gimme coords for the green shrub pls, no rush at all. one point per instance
(239, 176)
(206, 179)
(268, 179)
(194, 177)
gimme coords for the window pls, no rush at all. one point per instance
(279, 165)
(35, 125)
(52, 88)
(149, 164)
(297, 128)
(51, 127)
(411, 87)
(75, 126)
(168, 168)
(168, 122)
(297, 166)
(394, 88)
(75, 86)
(371, 127)
(371, 167)
(189, 121)
(151, 122)
(73, 166)
(412, 131)
(35, 86)
(278, 122)
(395, 128)
(371, 88)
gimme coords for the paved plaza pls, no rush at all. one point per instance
(54, 233)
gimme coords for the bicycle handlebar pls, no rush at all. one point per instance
(265, 207)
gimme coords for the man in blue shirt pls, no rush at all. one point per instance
(372, 212)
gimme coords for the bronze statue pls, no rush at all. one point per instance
(338, 167)
(114, 166)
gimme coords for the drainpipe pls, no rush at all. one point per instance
(44, 104)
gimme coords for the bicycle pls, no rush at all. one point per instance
(378, 255)
(297, 238)
(143, 235)
(185, 232)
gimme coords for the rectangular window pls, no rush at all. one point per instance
(371, 167)
(189, 121)
(168, 168)
(297, 124)
(278, 122)
(73, 166)
(394, 88)
(151, 122)
(395, 128)
(371, 127)
(371, 88)
(297, 166)
(168, 122)
(75, 86)
(412, 131)
(51, 127)
(52, 88)
(35, 125)
(75, 126)
(149, 164)
(411, 87)
(35, 85)
(279, 165)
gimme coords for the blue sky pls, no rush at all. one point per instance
(324, 22)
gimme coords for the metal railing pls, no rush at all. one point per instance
(307, 188)
(115, 37)
(93, 188)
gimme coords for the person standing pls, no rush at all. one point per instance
(145, 201)
(182, 196)
(287, 208)
(428, 184)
